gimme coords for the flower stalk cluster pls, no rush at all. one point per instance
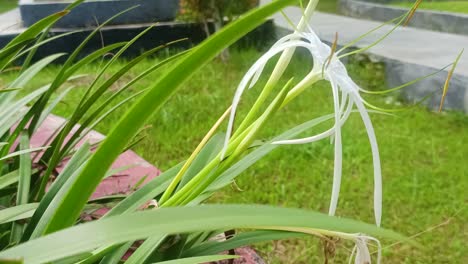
(346, 97)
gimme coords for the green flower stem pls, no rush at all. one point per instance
(209, 168)
(208, 174)
(199, 178)
(278, 71)
(192, 157)
(248, 128)
(309, 80)
(183, 193)
(242, 146)
(273, 108)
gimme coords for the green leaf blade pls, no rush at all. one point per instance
(71, 205)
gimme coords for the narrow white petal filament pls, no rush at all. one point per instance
(360, 252)
(322, 135)
(338, 151)
(258, 65)
(376, 160)
(342, 86)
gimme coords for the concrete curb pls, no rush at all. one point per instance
(91, 13)
(400, 72)
(432, 20)
(160, 34)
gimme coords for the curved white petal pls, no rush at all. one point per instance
(249, 75)
(335, 72)
(322, 135)
(281, 41)
(362, 252)
(376, 160)
(338, 151)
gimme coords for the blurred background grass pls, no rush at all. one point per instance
(460, 6)
(7, 5)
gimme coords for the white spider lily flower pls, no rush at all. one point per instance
(360, 253)
(345, 95)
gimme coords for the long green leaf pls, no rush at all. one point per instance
(113, 258)
(34, 30)
(72, 203)
(167, 221)
(121, 71)
(24, 183)
(76, 137)
(92, 57)
(63, 75)
(12, 109)
(240, 240)
(134, 201)
(9, 179)
(204, 259)
(72, 167)
(7, 90)
(212, 148)
(150, 190)
(21, 152)
(7, 53)
(53, 104)
(85, 104)
(32, 71)
(6, 215)
(145, 250)
(24, 171)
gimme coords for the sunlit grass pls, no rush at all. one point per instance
(449, 6)
(422, 156)
(328, 6)
(7, 5)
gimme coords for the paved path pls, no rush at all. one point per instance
(410, 52)
(10, 22)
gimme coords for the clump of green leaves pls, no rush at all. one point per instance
(40, 226)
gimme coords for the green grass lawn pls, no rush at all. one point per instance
(423, 159)
(7, 5)
(328, 6)
(450, 6)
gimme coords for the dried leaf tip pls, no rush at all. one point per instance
(332, 51)
(412, 11)
(447, 81)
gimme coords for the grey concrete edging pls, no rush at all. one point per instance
(95, 12)
(433, 20)
(160, 34)
(400, 72)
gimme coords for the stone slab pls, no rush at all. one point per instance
(91, 13)
(161, 33)
(427, 19)
(121, 183)
(10, 22)
(408, 53)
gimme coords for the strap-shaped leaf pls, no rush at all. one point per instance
(71, 204)
(167, 221)
(240, 240)
(10, 214)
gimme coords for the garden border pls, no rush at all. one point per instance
(400, 72)
(160, 34)
(94, 12)
(427, 19)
